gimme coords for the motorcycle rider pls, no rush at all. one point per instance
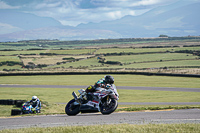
(108, 79)
(36, 104)
(102, 83)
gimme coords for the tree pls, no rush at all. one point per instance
(163, 36)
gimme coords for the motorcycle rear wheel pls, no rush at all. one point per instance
(71, 109)
(108, 109)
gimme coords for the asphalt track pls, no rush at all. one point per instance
(153, 117)
(143, 117)
(118, 87)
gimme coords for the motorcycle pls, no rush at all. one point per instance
(27, 108)
(104, 101)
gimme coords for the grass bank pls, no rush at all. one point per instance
(52, 98)
(120, 80)
(117, 128)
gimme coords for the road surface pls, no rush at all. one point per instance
(171, 116)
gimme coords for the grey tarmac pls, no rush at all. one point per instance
(118, 87)
(154, 117)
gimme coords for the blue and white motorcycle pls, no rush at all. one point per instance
(104, 101)
(27, 108)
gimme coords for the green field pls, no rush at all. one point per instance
(53, 96)
(9, 58)
(142, 50)
(120, 80)
(179, 53)
(150, 57)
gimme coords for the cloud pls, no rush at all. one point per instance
(3, 5)
(74, 12)
(6, 28)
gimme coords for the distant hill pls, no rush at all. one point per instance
(61, 33)
(171, 20)
(26, 21)
(175, 22)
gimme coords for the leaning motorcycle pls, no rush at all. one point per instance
(104, 101)
(27, 108)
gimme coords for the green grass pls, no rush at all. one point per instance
(65, 52)
(128, 61)
(114, 128)
(5, 110)
(22, 52)
(82, 63)
(180, 63)
(156, 108)
(11, 67)
(120, 80)
(142, 50)
(54, 96)
(63, 95)
(149, 57)
(73, 51)
(9, 58)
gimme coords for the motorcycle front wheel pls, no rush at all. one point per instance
(107, 109)
(71, 109)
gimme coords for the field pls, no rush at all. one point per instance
(156, 56)
(53, 96)
(166, 55)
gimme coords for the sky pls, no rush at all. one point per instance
(74, 12)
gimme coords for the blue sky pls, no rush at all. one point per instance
(74, 12)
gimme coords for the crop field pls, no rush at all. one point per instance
(172, 55)
(143, 50)
(9, 58)
(38, 59)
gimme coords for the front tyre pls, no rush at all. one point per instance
(72, 109)
(107, 109)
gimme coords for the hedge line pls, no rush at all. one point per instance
(96, 73)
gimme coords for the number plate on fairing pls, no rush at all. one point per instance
(90, 103)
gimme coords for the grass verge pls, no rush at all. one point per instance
(120, 80)
(115, 128)
(52, 98)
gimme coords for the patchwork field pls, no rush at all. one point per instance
(174, 56)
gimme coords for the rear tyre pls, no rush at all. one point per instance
(108, 109)
(71, 109)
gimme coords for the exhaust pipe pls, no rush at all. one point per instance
(74, 95)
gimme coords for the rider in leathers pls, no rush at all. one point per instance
(36, 104)
(100, 84)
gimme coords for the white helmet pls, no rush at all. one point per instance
(34, 98)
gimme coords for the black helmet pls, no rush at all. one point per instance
(109, 79)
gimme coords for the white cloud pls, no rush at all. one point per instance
(70, 12)
(3, 5)
(145, 3)
(6, 28)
